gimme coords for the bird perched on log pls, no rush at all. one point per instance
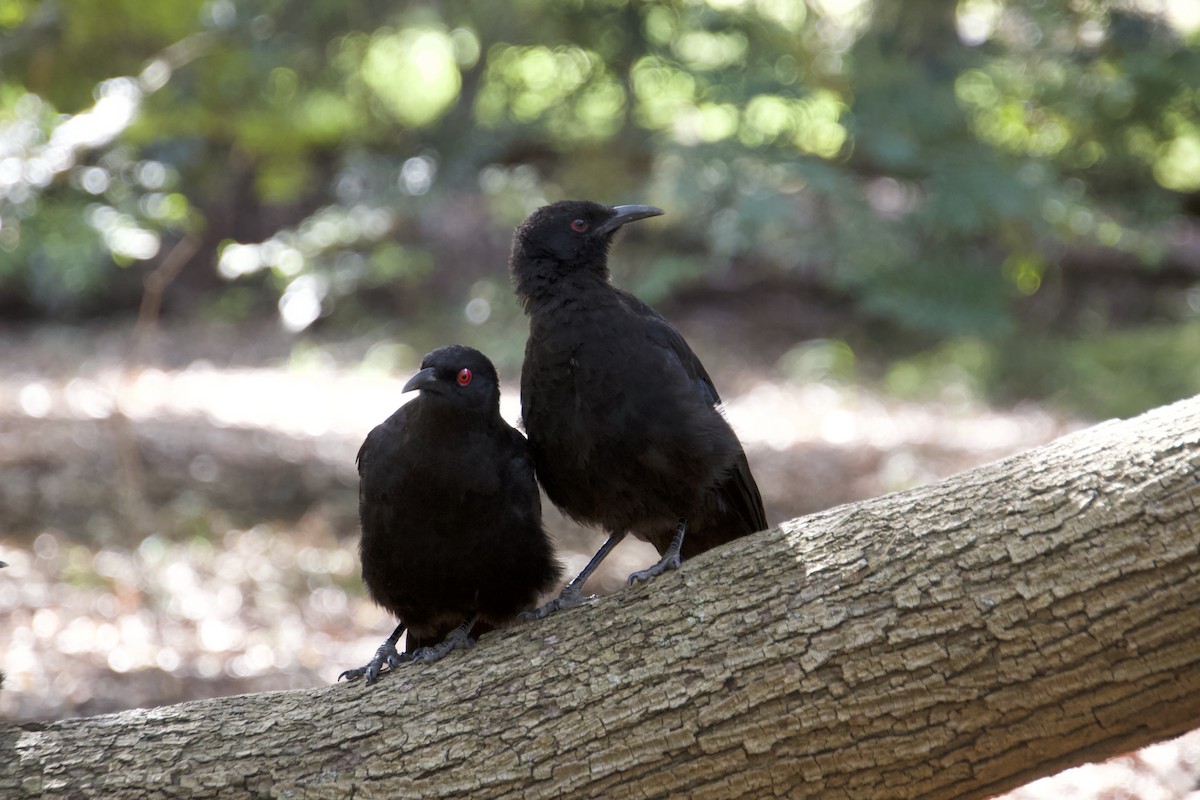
(623, 420)
(452, 536)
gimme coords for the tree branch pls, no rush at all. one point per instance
(952, 641)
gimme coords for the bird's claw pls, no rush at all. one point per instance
(459, 639)
(387, 654)
(666, 564)
(569, 598)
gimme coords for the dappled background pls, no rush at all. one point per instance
(906, 238)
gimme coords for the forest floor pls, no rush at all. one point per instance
(182, 524)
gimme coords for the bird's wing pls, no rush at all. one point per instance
(520, 465)
(663, 334)
(363, 449)
(739, 487)
(385, 434)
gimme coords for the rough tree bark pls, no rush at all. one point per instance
(952, 641)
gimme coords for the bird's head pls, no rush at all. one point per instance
(567, 237)
(458, 377)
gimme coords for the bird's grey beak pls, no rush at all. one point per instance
(627, 214)
(425, 379)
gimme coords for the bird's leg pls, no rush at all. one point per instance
(572, 593)
(386, 654)
(457, 639)
(670, 559)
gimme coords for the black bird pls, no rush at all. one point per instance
(623, 420)
(452, 536)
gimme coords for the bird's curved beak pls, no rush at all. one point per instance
(625, 214)
(425, 379)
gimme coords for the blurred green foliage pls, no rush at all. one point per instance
(938, 163)
(1109, 374)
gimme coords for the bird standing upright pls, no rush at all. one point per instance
(452, 536)
(623, 420)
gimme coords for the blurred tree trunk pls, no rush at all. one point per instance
(952, 641)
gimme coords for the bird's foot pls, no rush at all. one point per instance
(458, 639)
(570, 597)
(572, 593)
(386, 654)
(670, 561)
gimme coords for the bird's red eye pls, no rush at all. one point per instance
(464, 376)
(579, 225)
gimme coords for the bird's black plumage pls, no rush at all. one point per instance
(623, 420)
(452, 535)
